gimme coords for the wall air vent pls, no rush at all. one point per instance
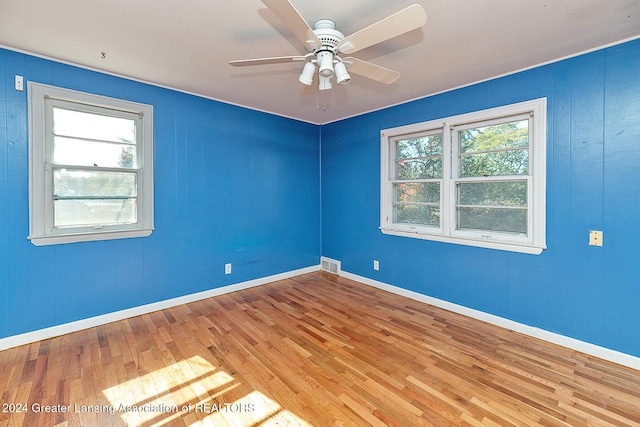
(330, 265)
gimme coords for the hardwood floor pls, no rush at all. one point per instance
(313, 350)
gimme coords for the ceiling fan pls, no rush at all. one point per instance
(324, 45)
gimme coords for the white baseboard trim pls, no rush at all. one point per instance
(66, 328)
(552, 337)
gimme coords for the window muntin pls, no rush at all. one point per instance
(91, 168)
(490, 179)
(93, 123)
(494, 150)
(490, 154)
(93, 158)
(83, 198)
(417, 179)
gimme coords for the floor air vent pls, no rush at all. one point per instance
(330, 265)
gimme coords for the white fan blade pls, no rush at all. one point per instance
(296, 23)
(392, 26)
(266, 61)
(372, 71)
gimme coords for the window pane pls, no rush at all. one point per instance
(417, 214)
(79, 152)
(79, 183)
(496, 137)
(505, 220)
(419, 147)
(422, 192)
(509, 193)
(499, 163)
(93, 126)
(419, 169)
(94, 212)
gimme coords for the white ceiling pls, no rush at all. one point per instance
(186, 44)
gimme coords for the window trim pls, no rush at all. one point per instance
(41, 230)
(535, 240)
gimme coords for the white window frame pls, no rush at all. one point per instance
(42, 98)
(534, 242)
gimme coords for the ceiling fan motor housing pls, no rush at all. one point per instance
(325, 30)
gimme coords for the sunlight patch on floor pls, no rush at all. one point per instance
(195, 391)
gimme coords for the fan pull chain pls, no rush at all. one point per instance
(319, 107)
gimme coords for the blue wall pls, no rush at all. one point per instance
(235, 185)
(231, 185)
(593, 183)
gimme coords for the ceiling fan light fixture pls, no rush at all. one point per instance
(325, 60)
(342, 77)
(306, 77)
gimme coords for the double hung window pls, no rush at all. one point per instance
(91, 167)
(476, 179)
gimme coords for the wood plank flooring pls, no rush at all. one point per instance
(313, 350)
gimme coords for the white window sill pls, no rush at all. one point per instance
(87, 237)
(481, 243)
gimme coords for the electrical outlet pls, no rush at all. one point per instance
(19, 83)
(227, 268)
(376, 264)
(595, 238)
